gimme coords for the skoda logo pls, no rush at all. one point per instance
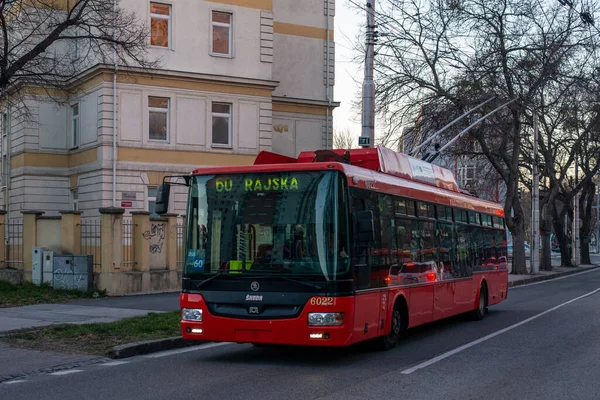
(254, 286)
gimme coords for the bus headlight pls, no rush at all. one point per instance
(192, 314)
(325, 319)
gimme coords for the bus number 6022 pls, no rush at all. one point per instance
(321, 301)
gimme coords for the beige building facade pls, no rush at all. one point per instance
(237, 77)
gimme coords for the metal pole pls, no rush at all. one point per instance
(535, 200)
(368, 111)
(575, 233)
(114, 144)
(449, 125)
(598, 216)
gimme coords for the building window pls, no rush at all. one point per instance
(160, 24)
(75, 125)
(466, 175)
(158, 117)
(152, 190)
(221, 124)
(75, 199)
(221, 33)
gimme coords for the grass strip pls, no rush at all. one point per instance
(26, 294)
(97, 338)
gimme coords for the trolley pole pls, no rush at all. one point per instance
(535, 199)
(367, 138)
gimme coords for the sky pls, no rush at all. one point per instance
(348, 24)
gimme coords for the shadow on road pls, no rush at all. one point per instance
(451, 332)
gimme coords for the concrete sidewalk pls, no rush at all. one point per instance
(86, 311)
(517, 280)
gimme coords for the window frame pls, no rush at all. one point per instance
(169, 18)
(229, 116)
(463, 173)
(160, 110)
(74, 194)
(222, 25)
(150, 199)
(75, 122)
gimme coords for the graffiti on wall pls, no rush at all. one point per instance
(156, 236)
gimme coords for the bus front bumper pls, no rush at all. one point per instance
(291, 331)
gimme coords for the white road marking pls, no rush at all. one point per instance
(113, 363)
(17, 381)
(483, 339)
(186, 350)
(555, 279)
(70, 371)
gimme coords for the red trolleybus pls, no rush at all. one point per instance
(334, 248)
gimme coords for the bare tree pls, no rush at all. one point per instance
(434, 53)
(343, 139)
(45, 44)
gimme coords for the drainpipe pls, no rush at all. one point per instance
(6, 166)
(114, 150)
(327, 86)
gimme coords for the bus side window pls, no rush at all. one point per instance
(462, 251)
(447, 248)
(388, 231)
(476, 255)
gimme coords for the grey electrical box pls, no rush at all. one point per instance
(36, 265)
(73, 272)
(47, 266)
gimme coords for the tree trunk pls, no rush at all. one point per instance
(517, 229)
(585, 205)
(561, 236)
(546, 230)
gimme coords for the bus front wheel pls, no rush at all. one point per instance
(482, 303)
(397, 329)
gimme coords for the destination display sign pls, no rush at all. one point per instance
(259, 183)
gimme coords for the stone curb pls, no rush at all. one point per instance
(150, 346)
(540, 278)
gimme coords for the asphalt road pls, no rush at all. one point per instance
(543, 342)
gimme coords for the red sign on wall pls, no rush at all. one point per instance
(126, 204)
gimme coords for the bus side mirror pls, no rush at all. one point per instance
(365, 226)
(162, 198)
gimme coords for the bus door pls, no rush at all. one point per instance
(417, 273)
(444, 287)
(463, 296)
(368, 298)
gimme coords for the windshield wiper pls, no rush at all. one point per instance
(285, 278)
(219, 273)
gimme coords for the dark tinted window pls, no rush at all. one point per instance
(474, 218)
(446, 248)
(498, 222)
(463, 256)
(486, 220)
(425, 210)
(460, 215)
(444, 213)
